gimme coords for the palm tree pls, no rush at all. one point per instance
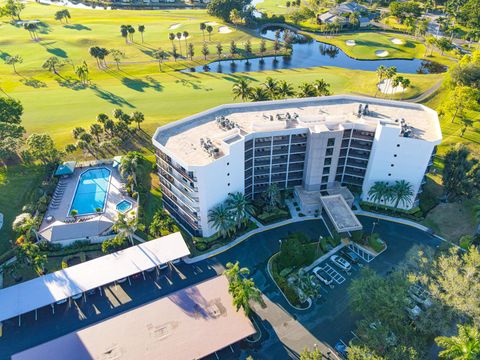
(185, 37)
(96, 130)
(179, 38)
(405, 85)
(306, 90)
(117, 56)
(129, 165)
(263, 48)
(209, 30)
(127, 226)
(160, 55)
(51, 64)
(258, 94)
(378, 191)
(284, 89)
(171, 37)
(276, 47)
(221, 219)
(243, 292)
(137, 117)
(272, 197)
(271, 87)
(141, 30)
(241, 89)
(321, 87)
(94, 52)
(219, 50)
(203, 26)
(240, 207)
(233, 49)
(124, 32)
(131, 31)
(464, 346)
(82, 72)
(402, 193)
(248, 49)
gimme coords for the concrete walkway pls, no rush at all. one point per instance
(244, 237)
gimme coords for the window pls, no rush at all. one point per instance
(228, 163)
(389, 174)
(398, 145)
(394, 155)
(329, 152)
(331, 142)
(328, 161)
(326, 170)
(228, 184)
(228, 174)
(391, 165)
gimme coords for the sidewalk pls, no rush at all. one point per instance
(245, 236)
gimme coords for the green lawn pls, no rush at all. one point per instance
(17, 185)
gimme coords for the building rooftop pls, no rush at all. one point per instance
(340, 213)
(183, 138)
(188, 324)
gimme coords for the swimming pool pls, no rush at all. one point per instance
(91, 192)
(123, 206)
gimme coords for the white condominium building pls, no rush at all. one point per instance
(313, 143)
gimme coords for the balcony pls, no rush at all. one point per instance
(260, 153)
(297, 158)
(192, 205)
(362, 164)
(184, 209)
(359, 154)
(262, 162)
(360, 144)
(182, 189)
(279, 169)
(296, 167)
(262, 171)
(352, 180)
(276, 178)
(354, 172)
(188, 176)
(363, 135)
(298, 148)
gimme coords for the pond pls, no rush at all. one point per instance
(312, 54)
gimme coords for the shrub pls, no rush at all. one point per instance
(375, 242)
(64, 264)
(357, 236)
(466, 241)
(301, 214)
(201, 245)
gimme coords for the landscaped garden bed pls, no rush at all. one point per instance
(371, 242)
(298, 251)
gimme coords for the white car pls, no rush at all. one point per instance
(63, 301)
(122, 280)
(78, 296)
(340, 262)
(322, 275)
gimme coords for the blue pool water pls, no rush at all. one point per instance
(91, 191)
(123, 206)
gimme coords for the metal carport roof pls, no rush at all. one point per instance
(48, 289)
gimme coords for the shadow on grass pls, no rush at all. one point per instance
(32, 82)
(111, 97)
(71, 83)
(58, 52)
(78, 27)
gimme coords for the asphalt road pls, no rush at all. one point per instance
(285, 330)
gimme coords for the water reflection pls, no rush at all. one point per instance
(314, 53)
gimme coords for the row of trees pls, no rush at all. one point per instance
(231, 215)
(392, 79)
(400, 192)
(106, 133)
(273, 89)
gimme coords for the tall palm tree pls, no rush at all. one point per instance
(241, 89)
(179, 38)
(131, 31)
(129, 165)
(209, 30)
(272, 197)
(160, 55)
(219, 50)
(306, 90)
(203, 26)
(124, 32)
(378, 191)
(464, 346)
(185, 37)
(96, 130)
(271, 87)
(240, 207)
(221, 219)
(171, 37)
(402, 192)
(263, 48)
(285, 89)
(127, 226)
(141, 30)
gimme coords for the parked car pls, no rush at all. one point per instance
(119, 281)
(420, 295)
(341, 348)
(340, 262)
(151, 269)
(322, 275)
(351, 256)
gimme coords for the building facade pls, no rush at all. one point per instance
(313, 143)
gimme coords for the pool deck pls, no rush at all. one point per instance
(96, 223)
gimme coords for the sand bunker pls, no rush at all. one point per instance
(397, 41)
(385, 87)
(381, 53)
(174, 26)
(211, 23)
(350, 43)
(224, 30)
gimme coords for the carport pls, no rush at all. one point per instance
(63, 284)
(339, 213)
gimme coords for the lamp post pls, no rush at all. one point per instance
(373, 225)
(280, 245)
(318, 243)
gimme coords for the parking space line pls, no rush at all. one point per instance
(339, 279)
(360, 252)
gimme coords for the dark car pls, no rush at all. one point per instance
(351, 256)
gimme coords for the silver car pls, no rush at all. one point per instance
(340, 262)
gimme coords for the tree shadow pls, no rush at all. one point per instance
(33, 83)
(111, 97)
(71, 83)
(78, 27)
(44, 28)
(149, 53)
(154, 83)
(194, 84)
(58, 52)
(135, 84)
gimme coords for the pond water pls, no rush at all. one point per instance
(312, 54)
